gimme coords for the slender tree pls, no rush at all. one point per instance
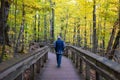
(52, 21)
(21, 33)
(85, 34)
(23, 24)
(104, 28)
(45, 23)
(78, 33)
(94, 34)
(66, 26)
(39, 27)
(15, 22)
(90, 35)
(61, 29)
(74, 35)
(94, 27)
(85, 31)
(35, 19)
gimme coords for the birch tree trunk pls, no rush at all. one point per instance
(21, 34)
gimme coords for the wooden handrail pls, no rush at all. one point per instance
(104, 67)
(11, 69)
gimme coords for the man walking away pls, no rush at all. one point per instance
(59, 48)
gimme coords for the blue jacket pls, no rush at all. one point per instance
(59, 46)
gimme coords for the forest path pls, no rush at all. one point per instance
(66, 72)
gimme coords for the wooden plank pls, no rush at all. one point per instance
(66, 72)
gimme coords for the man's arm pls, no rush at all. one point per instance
(54, 44)
(63, 45)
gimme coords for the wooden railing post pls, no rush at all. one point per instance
(32, 72)
(46, 56)
(97, 76)
(87, 72)
(66, 52)
(69, 54)
(42, 62)
(38, 66)
(72, 56)
(77, 61)
(44, 59)
(80, 69)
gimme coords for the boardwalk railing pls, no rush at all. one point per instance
(24, 67)
(92, 66)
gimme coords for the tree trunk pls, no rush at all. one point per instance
(45, 28)
(103, 38)
(52, 22)
(74, 35)
(23, 24)
(85, 34)
(15, 22)
(35, 28)
(4, 28)
(67, 16)
(21, 33)
(91, 36)
(94, 28)
(85, 31)
(78, 33)
(38, 27)
(116, 43)
(61, 30)
(110, 43)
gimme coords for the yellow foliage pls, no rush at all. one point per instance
(11, 32)
(10, 1)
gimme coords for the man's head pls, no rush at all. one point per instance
(59, 37)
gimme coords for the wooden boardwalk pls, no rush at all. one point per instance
(66, 72)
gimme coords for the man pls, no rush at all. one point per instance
(59, 48)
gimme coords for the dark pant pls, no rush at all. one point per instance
(59, 57)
